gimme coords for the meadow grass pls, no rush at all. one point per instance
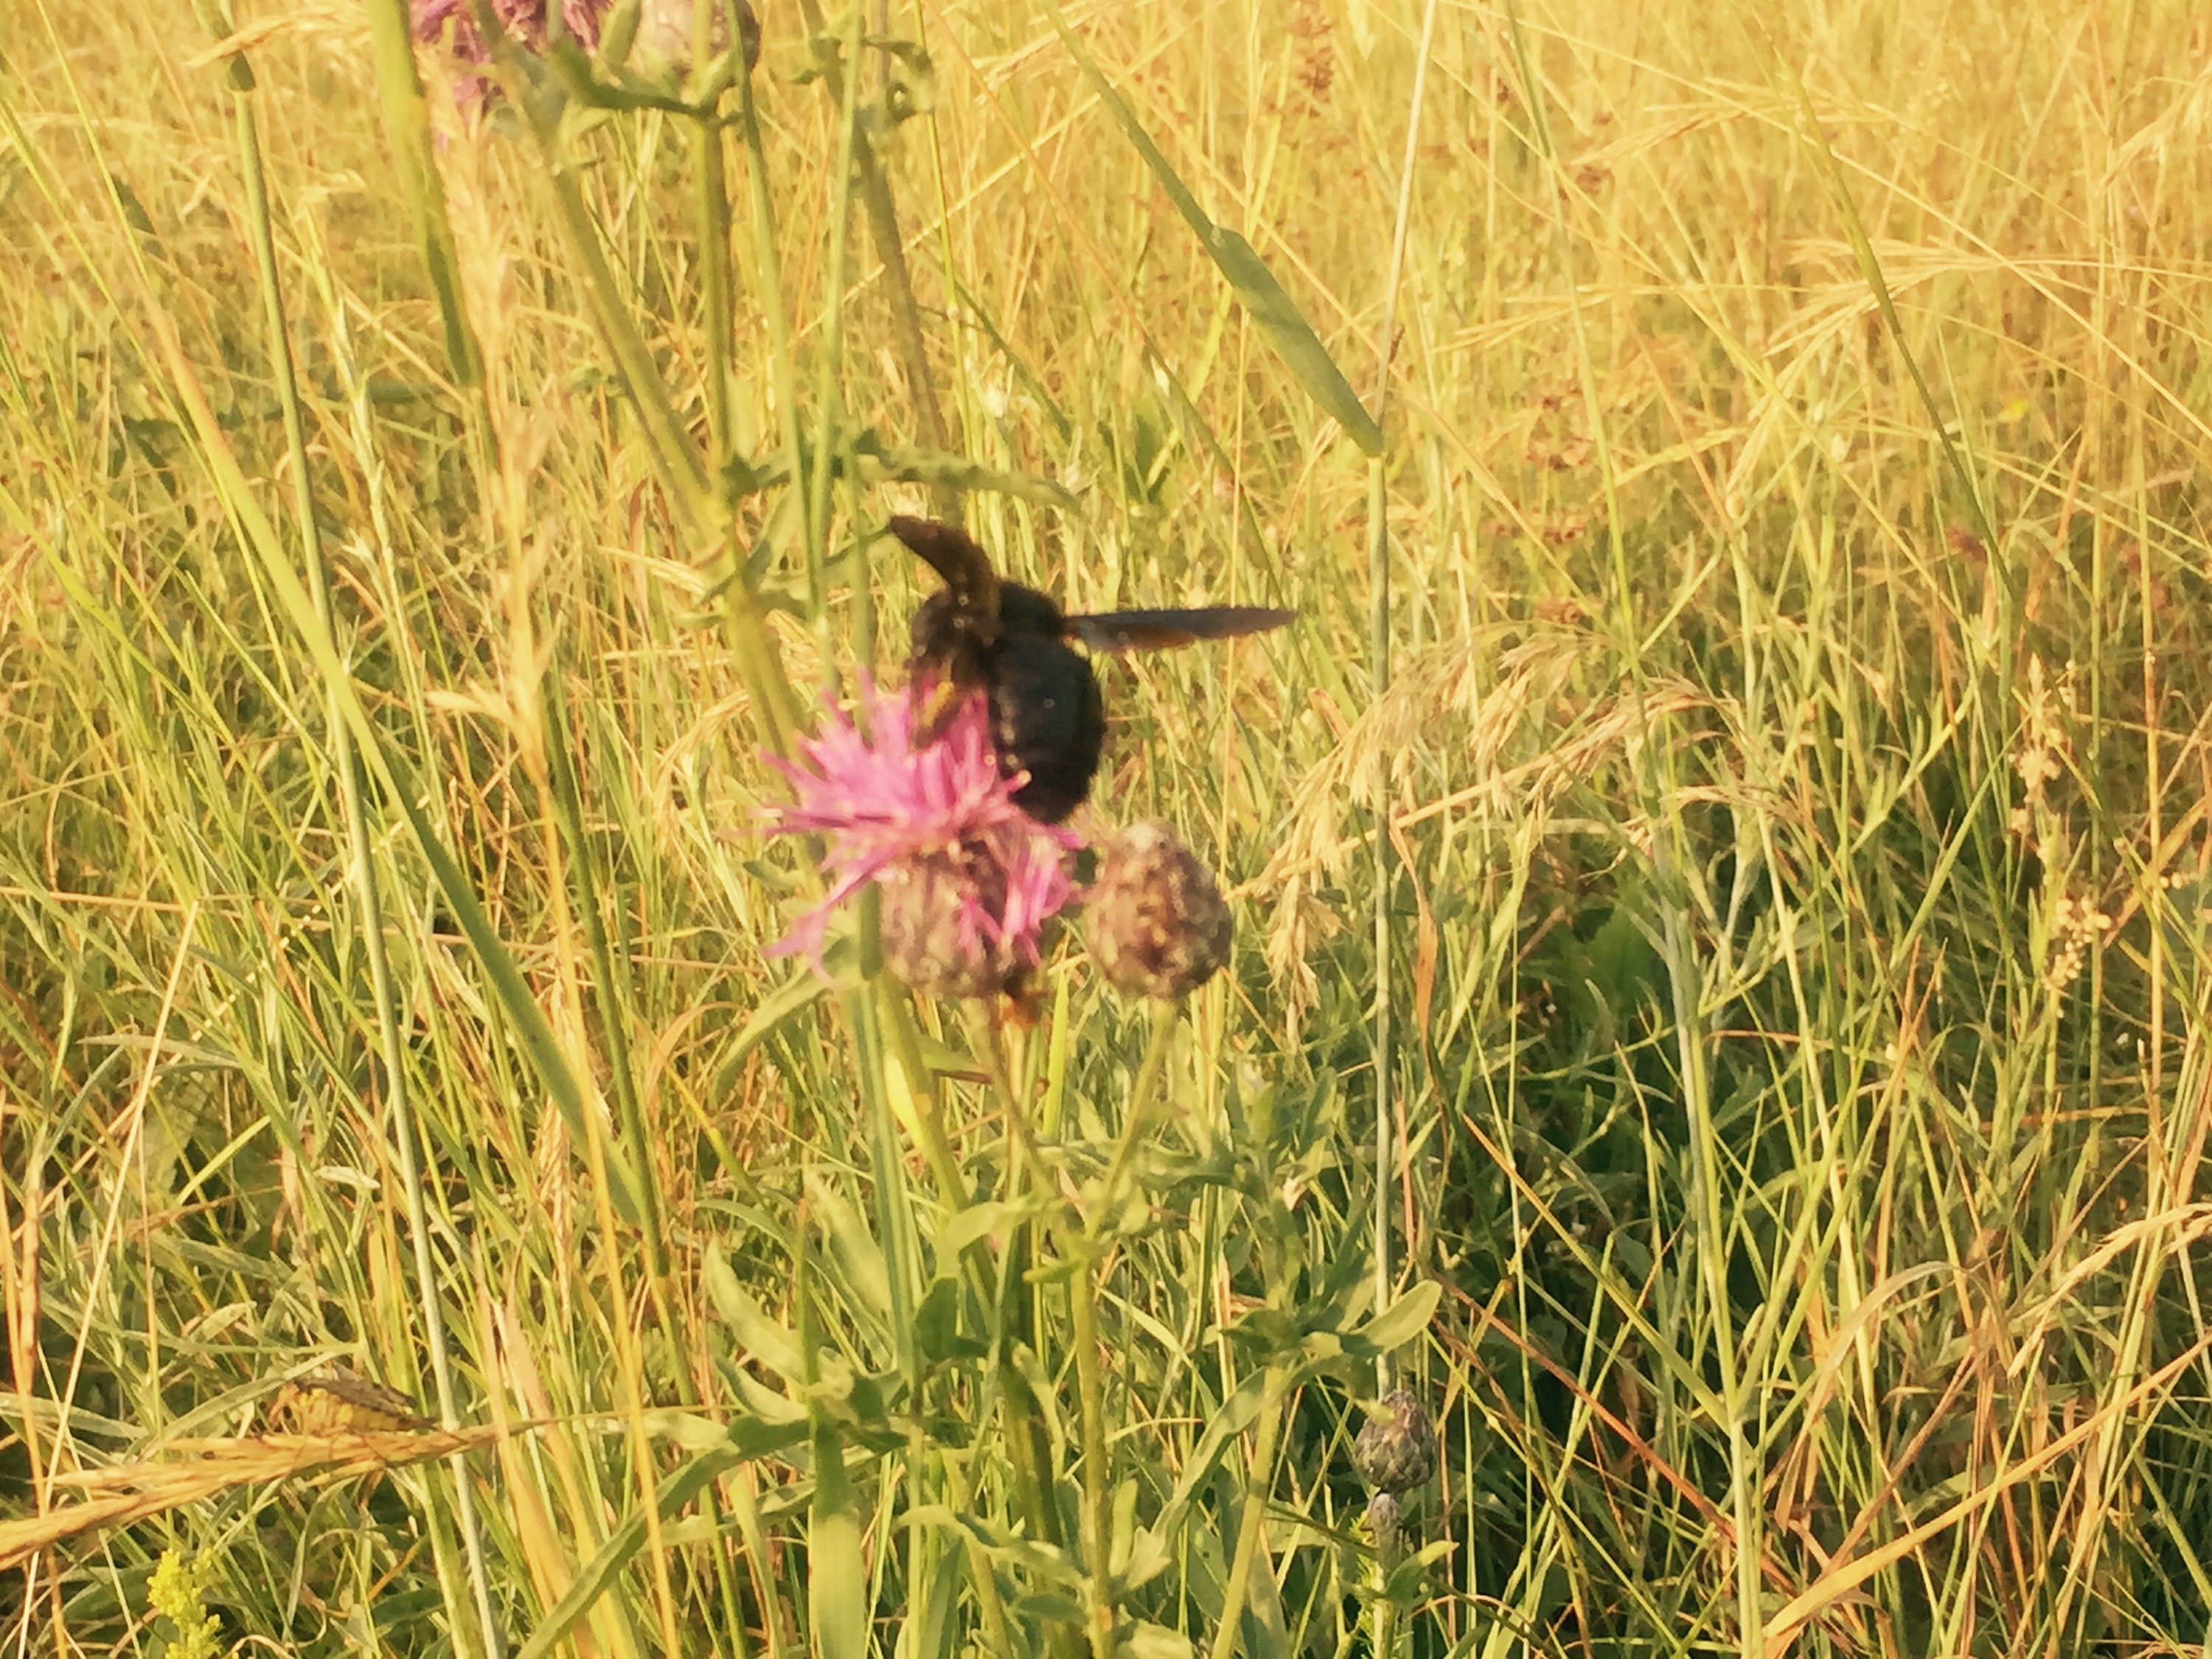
(1739, 776)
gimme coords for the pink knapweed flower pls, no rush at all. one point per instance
(968, 879)
(525, 21)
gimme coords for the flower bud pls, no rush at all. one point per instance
(1396, 1452)
(1383, 1514)
(1157, 924)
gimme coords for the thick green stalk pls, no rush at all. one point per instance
(691, 499)
(768, 282)
(900, 1239)
(883, 225)
(407, 125)
(828, 391)
(1379, 686)
(1029, 1447)
(714, 186)
(1097, 1484)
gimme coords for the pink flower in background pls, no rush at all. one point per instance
(968, 879)
(525, 21)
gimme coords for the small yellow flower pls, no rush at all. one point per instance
(177, 1593)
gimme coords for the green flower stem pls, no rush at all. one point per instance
(361, 869)
(1379, 686)
(1260, 1483)
(691, 498)
(1384, 1610)
(1029, 1447)
(407, 125)
(928, 1098)
(1142, 1096)
(1097, 1546)
(767, 282)
(1097, 1484)
(828, 410)
(714, 243)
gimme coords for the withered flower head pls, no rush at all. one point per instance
(967, 920)
(1396, 1452)
(1157, 922)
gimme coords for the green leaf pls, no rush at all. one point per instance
(761, 1337)
(1409, 1583)
(1397, 1324)
(838, 1604)
(762, 1401)
(854, 1244)
(794, 995)
(618, 33)
(1145, 1641)
(971, 1226)
(1152, 1547)
(1044, 1561)
(1256, 288)
(937, 1325)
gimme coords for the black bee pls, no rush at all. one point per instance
(1047, 719)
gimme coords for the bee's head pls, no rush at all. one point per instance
(947, 633)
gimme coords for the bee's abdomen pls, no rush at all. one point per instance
(1048, 719)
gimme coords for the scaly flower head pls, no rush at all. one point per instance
(1157, 924)
(968, 879)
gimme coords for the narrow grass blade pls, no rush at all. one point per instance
(747, 1441)
(407, 125)
(533, 1032)
(1256, 288)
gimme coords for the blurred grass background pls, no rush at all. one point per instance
(1793, 757)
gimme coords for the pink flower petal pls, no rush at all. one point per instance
(878, 801)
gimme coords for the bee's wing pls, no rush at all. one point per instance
(1159, 630)
(952, 554)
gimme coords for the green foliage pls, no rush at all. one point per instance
(415, 532)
